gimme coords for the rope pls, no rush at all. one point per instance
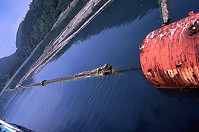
(129, 68)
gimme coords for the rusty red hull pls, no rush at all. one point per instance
(169, 56)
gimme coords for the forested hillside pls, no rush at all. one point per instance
(41, 16)
(38, 22)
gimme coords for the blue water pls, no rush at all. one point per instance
(123, 102)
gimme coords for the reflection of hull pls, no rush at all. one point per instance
(169, 56)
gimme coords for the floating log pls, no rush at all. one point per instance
(169, 56)
(100, 71)
(165, 11)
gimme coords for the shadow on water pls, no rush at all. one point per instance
(192, 94)
(192, 125)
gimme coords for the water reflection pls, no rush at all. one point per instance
(120, 12)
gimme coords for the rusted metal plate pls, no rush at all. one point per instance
(169, 56)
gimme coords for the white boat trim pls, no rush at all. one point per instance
(9, 127)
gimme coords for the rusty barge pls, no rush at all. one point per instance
(169, 56)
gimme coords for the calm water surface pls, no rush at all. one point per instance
(124, 102)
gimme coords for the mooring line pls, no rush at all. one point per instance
(128, 68)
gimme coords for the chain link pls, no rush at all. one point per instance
(194, 28)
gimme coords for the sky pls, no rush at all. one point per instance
(12, 13)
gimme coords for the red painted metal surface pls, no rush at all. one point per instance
(169, 56)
